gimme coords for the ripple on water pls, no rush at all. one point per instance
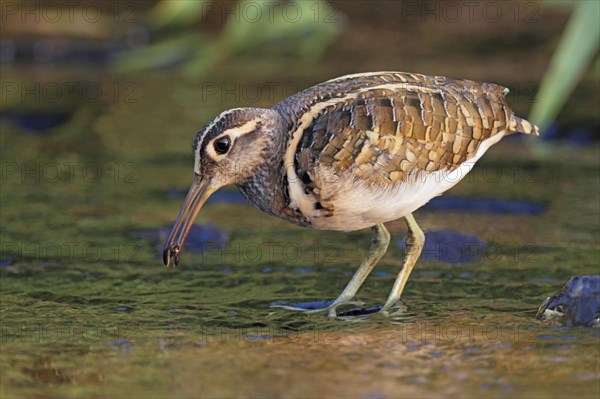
(449, 246)
(488, 205)
(586, 376)
(304, 305)
(473, 351)
(201, 238)
(543, 280)
(428, 273)
(303, 270)
(381, 273)
(121, 345)
(559, 359)
(221, 196)
(376, 395)
(254, 337)
(419, 379)
(460, 375)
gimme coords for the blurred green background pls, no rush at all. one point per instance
(305, 42)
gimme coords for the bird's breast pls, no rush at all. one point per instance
(347, 202)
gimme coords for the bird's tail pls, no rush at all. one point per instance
(520, 125)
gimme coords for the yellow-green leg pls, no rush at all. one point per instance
(379, 244)
(414, 245)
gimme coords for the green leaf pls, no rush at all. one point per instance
(577, 47)
(177, 13)
(164, 53)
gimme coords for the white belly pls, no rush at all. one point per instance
(357, 205)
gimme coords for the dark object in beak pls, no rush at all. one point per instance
(196, 197)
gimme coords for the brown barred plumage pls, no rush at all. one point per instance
(383, 135)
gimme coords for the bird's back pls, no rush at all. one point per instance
(365, 147)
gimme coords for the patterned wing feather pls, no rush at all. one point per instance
(385, 133)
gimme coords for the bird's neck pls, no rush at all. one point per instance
(267, 188)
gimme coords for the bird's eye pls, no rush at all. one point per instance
(222, 145)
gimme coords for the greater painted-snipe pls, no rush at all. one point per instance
(351, 153)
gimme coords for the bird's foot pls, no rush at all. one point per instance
(326, 306)
(393, 308)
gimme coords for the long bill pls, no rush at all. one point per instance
(199, 192)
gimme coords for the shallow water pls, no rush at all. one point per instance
(88, 309)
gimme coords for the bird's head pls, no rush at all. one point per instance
(228, 150)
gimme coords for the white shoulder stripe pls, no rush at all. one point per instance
(358, 75)
(298, 198)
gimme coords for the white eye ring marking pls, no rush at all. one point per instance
(233, 134)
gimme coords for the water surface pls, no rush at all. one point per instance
(88, 309)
